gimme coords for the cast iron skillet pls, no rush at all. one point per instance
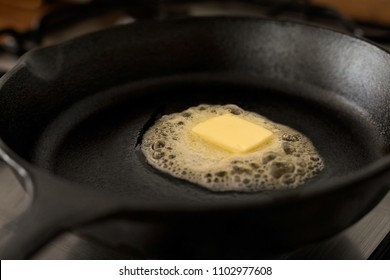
(72, 116)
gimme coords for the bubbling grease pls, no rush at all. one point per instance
(286, 162)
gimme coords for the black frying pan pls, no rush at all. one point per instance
(72, 116)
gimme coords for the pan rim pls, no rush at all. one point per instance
(23, 60)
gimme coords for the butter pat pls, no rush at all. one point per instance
(232, 133)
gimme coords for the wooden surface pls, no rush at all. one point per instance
(25, 4)
(367, 10)
(21, 19)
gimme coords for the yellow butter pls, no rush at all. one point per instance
(232, 133)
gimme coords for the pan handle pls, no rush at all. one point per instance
(55, 206)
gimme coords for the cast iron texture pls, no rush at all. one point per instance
(74, 114)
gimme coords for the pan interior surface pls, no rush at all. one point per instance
(81, 110)
(96, 141)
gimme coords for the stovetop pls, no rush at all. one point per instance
(368, 238)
